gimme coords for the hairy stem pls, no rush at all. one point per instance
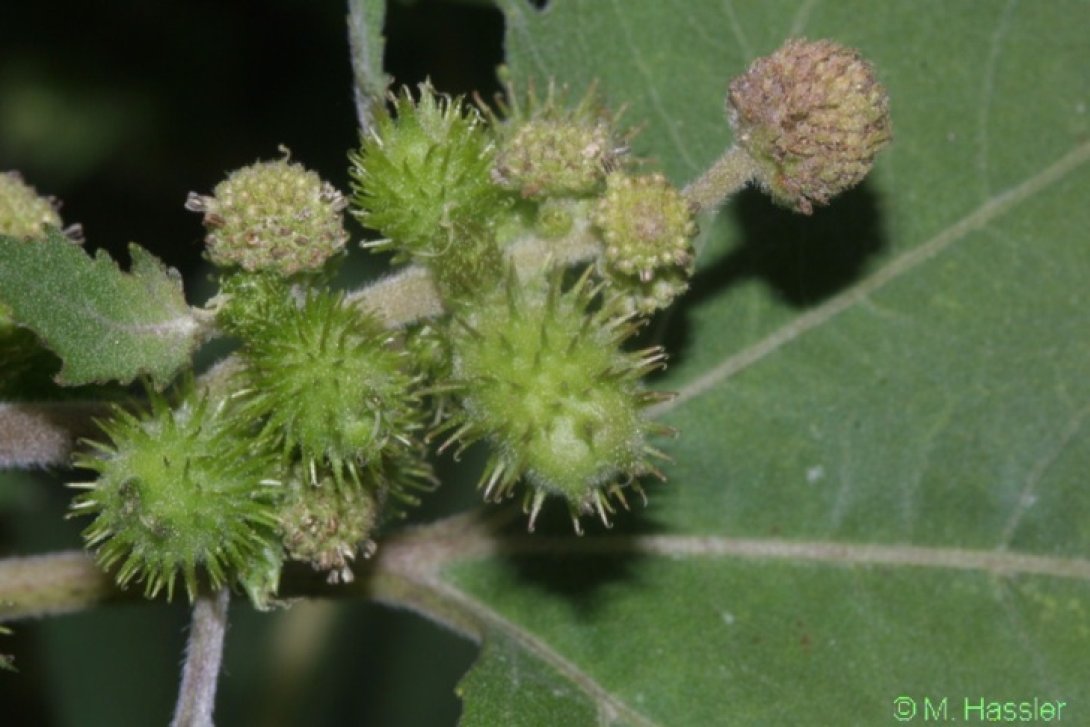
(197, 695)
(62, 582)
(730, 173)
(410, 295)
(400, 299)
(365, 18)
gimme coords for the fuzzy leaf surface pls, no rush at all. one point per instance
(104, 324)
(880, 489)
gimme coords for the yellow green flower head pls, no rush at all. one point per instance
(272, 216)
(24, 213)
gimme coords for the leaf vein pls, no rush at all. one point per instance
(984, 214)
(652, 88)
(610, 706)
(995, 562)
(802, 17)
(736, 29)
(1037, 473)
(515, 13)
(988, 91)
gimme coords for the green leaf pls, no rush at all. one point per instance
(880, 486)
(104, 324)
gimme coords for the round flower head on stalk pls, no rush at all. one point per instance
(272, 216)
(812, 116)
(543, 378)
(647, 229)
(332, 386)
(180, 491)
(26, 214)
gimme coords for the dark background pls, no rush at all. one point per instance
(120, 109)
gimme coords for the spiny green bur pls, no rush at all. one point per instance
(421, 177)
(547, 384)
(331, 385)
(179, 492)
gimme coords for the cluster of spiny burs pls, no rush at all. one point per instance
(529, 249)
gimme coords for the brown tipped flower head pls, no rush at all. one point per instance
(327, 525)
(647, 229)
(273, 216)
(813, 116)
(555, 156)
(23, 212)
(548, 148)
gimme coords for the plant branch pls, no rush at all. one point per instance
(410, 294)
(730, 173)
(197, 694)
(56, 583)
(406, 571)
(397, 300)
(365, 42)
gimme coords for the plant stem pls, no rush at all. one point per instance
(197, 695)
(405, 297)
(730, 173)
(410, 295)
(365, 18)
(62, 582)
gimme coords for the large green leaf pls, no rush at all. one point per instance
(104, 324)
(880, 489)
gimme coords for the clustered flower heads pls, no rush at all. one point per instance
(813, 116)
(318, 428)
(551, 157)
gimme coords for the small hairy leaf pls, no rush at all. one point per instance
(103, 323)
